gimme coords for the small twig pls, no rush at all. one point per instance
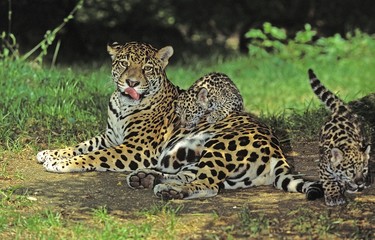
(50, 35)
(57, 48)
(9, 19)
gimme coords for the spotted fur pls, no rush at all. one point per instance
(141, 138)
(344, 147)
(211, 97)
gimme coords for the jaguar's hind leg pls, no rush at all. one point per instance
(186, 191)
(144, 178)
(199, 180)
(148, 178)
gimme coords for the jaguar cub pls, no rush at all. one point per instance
(344, 149)
(212, 97)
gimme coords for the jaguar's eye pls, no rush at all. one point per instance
(147, 68)
(124, 63)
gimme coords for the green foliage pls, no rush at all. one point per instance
(255, 224)
(273, 41)
(187, 25)
(270, 38)
(9, 44)
(307, 221)
(9, 49)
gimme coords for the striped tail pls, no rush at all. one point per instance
(331, 101)
(284, 180)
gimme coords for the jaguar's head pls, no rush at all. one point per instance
(191, 106)
(351, 166)
(138, 69)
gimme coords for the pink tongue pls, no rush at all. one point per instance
(132, 93)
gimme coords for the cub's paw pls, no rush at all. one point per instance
(167, 192)
(335, 200)
(143, 178)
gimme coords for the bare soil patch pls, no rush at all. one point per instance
(76, 194)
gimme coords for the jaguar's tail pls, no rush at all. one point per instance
(289, 182)
(331, 101)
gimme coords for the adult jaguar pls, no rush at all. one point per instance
(235, 152)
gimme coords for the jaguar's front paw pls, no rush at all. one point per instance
(167, 192)
(53, 165)
(143, 178)
(44, 156)
(335, 200)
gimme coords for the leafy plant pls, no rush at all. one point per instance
(268, 40)
(253, 223)
(10, 47)
(163, 208)
(274, 41)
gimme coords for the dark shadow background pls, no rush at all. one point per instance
(192, 27)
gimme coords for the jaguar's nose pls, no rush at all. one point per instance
(132, 83)
(359, 181)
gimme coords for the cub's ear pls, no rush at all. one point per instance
(113, 48)
(164, 54)
(202, 97)
(337, 156)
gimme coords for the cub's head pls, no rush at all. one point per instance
(351, 166)
(191, 106)
(138, 69)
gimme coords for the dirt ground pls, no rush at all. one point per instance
(76, 194)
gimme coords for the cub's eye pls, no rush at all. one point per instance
(147, 68)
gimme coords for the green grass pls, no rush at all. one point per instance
(21, 218)
(38, 104)
(254, 224)
(66, 105)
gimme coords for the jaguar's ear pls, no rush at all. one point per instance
(202, 97)
(164, 54)
(113, 48)
(367, 151)
(337, 156)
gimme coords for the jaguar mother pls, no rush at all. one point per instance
(141, 137)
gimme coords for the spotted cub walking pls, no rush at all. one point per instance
(344, 150)
(213, 96)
